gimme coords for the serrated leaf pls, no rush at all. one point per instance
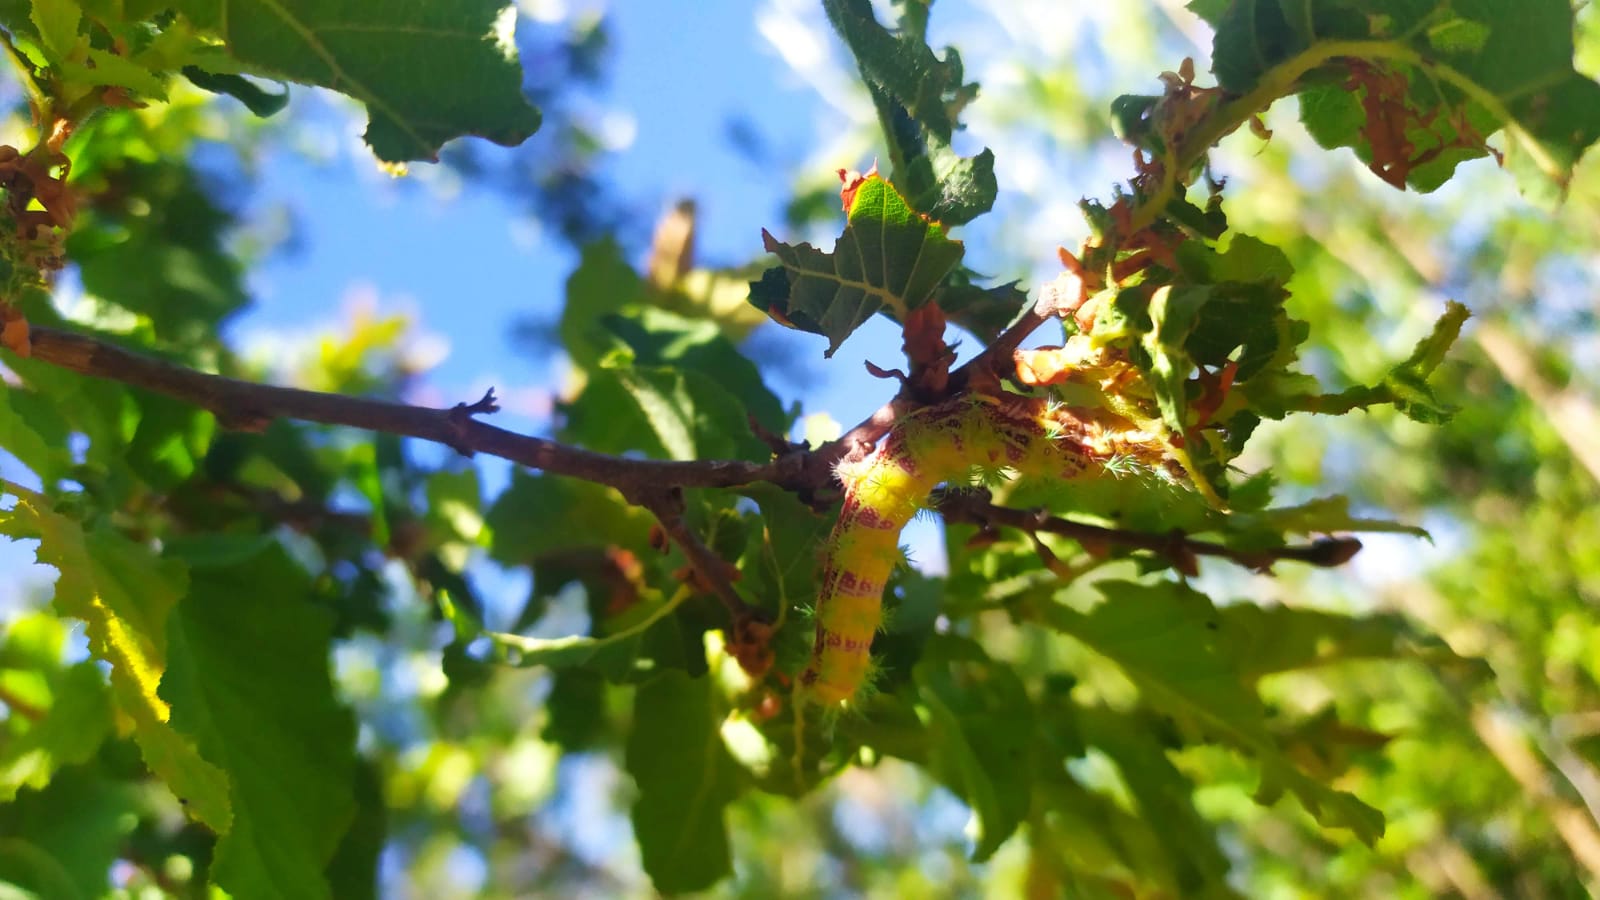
(57, 22)
(686, 779)
(1405, 387)
(663, 412)
(918, 97)
(1465, 70)
(249, 679)
(1281, 638)
(980, 728)
(888, 257)
(125, 595)
(427, 72)
(1165, 637)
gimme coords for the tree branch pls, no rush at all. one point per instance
(249, 406)
(750, 635)
(975, 507)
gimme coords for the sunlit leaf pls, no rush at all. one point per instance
(249, 679)
(426, 73)
(889, 257)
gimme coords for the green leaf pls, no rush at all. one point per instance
(563, 652)
(1326, 515)
(1167, 638)
(1251, 37)
(983, 311)
(427, 72)
(780, 567)
(576, 711)
(125, 595)
(602, 284)
(67, 712)
(1465, 70)
(249, 678)
(1281, 638)
(980, 734)
(1162, 796)
(918, 97)
(169, 264)
(1173, 312)
(61, 842)
(259, 101)
(686, 779)
(103, 68)
(1406, 385)
(888, 256)
(592, 515)
(663, 412)
(22, 413)
(57, 21)
(1158, 634)
(171, 439)
(661, 338)
(353, 873)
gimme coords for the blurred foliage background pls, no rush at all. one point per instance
(509, 782)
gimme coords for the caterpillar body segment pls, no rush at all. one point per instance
(884, 490)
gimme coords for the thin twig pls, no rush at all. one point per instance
(975, 507)
(995, 362)
(750, 632)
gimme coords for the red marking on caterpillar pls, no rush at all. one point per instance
(882, 491)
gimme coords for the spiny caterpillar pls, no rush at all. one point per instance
(886, 488)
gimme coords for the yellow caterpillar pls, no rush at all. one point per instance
(886, 488)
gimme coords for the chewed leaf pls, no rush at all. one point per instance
(1427, 85)
(889, 256)
(1405, 387)
(125, 595)
(919, 96)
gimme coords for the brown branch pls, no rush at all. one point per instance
(750, 633)
(975, 507)
(250, 406)
(995, 363)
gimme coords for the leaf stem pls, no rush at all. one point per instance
(544, 646)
